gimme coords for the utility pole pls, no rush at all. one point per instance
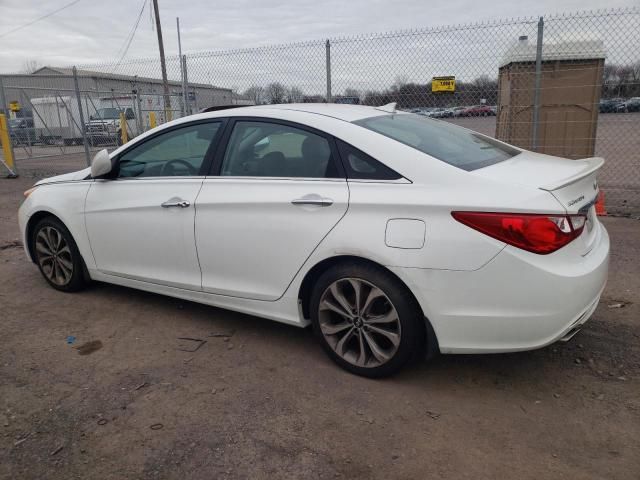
(163, 65)
(183, 79)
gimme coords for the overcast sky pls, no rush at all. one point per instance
(94, 31)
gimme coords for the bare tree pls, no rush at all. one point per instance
(609, 80)
(294, 95)
(351, 92)
(256, 94)
(634, 87)
(399, 82)
(30, 66)
(275, 93)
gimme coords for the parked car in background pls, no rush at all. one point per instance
(22, 131)
(631, 105)
(478, 111)
(441, 113)
(610, 105)
(392, 234)
(427, 112)
(458, 111)
(104, 125)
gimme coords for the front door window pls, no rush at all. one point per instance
(178, 153)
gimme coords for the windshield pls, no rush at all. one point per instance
(106, 114)
(456, 146)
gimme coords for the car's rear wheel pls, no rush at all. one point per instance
(366, 319)
(57, 255)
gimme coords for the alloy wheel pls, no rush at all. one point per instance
(359, 322)
(54, 255)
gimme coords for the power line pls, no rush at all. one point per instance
(20, 27)
(129, 39)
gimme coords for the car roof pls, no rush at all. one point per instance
(348, 113)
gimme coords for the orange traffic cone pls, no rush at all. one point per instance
(600, 210)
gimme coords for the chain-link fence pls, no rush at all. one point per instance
(567, 85)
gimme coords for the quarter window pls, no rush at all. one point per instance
(360, 166)
(178, 153)
(264, 149)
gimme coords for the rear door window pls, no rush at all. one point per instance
(266, 149)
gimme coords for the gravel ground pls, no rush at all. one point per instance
(261, 400)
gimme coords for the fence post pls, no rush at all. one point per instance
(538, 81)
(328, 58)
(7, 147)
(124, 137)
(139, 114)
(81, 113)
(185, 93)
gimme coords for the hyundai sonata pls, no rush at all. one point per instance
(394, 235)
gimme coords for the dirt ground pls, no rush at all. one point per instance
(265, 402)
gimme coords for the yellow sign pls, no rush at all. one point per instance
(443, 84)
(14, 106)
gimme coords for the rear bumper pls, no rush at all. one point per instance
(518, 301)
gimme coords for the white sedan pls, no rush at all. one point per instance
(392, 234)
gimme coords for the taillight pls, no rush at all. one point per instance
(535, 233)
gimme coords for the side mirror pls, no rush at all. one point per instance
(101, 164)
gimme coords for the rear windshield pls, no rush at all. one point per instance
(453, 145)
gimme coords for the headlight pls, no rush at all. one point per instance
(30, 191)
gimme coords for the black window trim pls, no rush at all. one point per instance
(214, 146)
(216, 166)
(401, 178)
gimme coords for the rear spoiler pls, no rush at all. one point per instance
(591, 165)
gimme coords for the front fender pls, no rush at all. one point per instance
(64, 200)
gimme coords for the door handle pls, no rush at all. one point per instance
(313, 199)
(175, 202)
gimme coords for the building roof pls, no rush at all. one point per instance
(63, 71)
(523, 51)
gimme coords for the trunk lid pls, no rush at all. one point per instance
(573, 183)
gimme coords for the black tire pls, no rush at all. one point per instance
(77, 278)
(411, 328)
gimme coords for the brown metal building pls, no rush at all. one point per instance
(571, 81)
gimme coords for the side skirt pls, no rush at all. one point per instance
(284, 310)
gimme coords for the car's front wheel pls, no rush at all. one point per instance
(366, 319)
(57, 255)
